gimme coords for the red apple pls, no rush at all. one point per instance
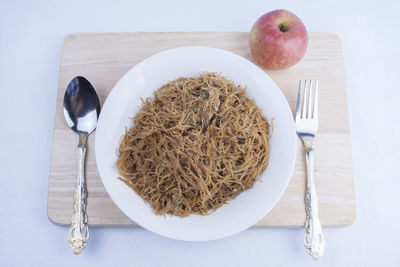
(278, 40)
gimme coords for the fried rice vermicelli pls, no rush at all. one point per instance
(196, 145)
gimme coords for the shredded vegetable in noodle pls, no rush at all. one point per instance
(196, 145)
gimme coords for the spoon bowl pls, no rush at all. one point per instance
(81, 106)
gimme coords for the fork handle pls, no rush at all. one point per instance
(314, 239)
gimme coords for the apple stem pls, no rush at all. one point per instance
(283, 27)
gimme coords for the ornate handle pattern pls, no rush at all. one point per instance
(314, 239)
(79, 231)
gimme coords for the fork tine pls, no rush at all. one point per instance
(304, 100)
(315, 116)
(298, 106)
(310, 100)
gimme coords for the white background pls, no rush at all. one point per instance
(31, 34)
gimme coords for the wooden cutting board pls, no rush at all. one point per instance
(104, 58)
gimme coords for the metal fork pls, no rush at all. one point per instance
(306, 127)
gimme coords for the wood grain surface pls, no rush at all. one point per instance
(103, 58)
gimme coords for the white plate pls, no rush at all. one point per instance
(141, 81)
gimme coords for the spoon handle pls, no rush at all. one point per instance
(79, 231)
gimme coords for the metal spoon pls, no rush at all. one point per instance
(81, 111)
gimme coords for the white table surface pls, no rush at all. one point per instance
(31, 33)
